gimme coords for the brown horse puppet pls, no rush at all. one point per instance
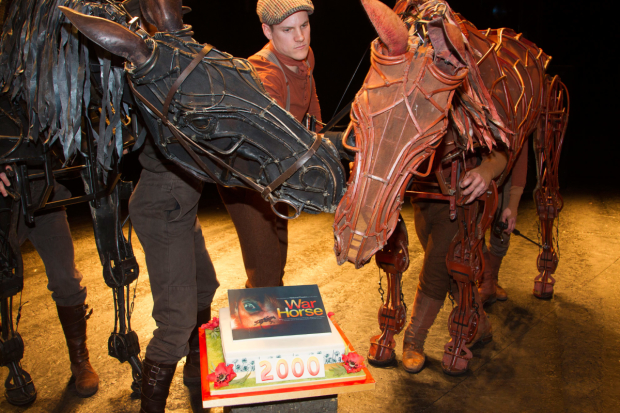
(434, 74)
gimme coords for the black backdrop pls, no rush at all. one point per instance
(580, 43)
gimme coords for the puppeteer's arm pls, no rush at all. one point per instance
(519, 178)
(478, 179)
(336, 139)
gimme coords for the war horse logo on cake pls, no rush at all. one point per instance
(277, 312)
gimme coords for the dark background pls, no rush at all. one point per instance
(582, 46)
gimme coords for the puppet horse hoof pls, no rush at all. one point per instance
(20, 389)
(543, 291)
(381, 355)
(456, 368)
(382, 363)
(454, 361)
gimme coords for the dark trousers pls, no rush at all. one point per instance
(51, 237)
(262, 235)
(163, 211)
(435, 232)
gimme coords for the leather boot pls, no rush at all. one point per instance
(73, 321)
(423, 314)
(488, 285)
(500, 292)
(156, 379)
(191, 370)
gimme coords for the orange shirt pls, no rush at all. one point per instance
(303, 98)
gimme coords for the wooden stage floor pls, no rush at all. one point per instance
(561, 355)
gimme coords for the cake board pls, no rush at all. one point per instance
(275, 395)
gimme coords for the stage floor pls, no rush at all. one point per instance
(561, 355)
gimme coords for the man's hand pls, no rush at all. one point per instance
(475, 183)
(4, 182)
(510, 219)
(478, 179)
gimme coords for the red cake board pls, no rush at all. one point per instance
(290, 393)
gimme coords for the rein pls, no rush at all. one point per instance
(266, 191)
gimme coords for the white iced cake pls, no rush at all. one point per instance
(242, 353)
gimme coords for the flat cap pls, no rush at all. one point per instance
(273, 12)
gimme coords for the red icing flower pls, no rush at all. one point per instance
(353, 362)
(213, 324)
(330, 314)
(222, 375)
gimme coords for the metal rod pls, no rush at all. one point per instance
(517, 232)
(351, 80)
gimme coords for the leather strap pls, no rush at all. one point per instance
(271, 56)
(293, 168)
(189, 69)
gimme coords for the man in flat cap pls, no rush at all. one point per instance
(285, 67)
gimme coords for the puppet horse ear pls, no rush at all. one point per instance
(391, 29)
(113, 37)
(447, 40)
(166, 15)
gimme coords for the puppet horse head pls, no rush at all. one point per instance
(209, 113)
(400, 116)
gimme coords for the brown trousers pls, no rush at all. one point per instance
(51, 237)
(435, 231)
(163, 211)
(262, 235)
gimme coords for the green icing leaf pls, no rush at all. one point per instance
(337, 371)
(241, 381)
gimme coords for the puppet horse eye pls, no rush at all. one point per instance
(250, 307)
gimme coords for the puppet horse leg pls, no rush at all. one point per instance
(468, 323)
(547, 148)
(120, 269)
(19, 387)
(547, 259)
(462, 326)
(394, 260)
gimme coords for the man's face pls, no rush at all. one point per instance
(292, 36)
